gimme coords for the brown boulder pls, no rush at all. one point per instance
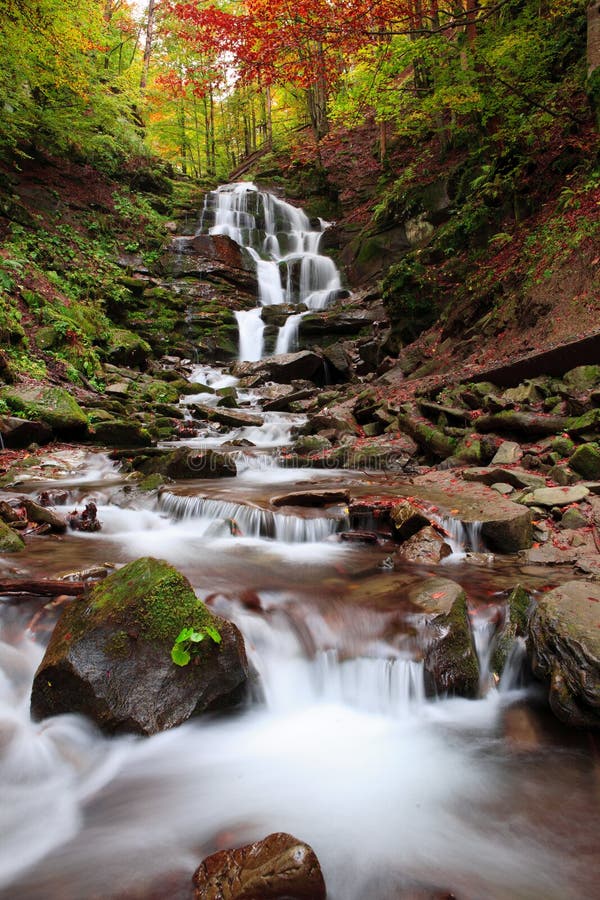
(426, 546)
(564, 650)
(280, 867)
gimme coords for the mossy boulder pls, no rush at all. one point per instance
(53, 405)
(109, 656)
(188, 463)
(586, 460)
(10, 541)
(120, 433)
(127, 349)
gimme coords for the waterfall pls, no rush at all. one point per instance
(251, 521)
(285, 249)
(287, 338)
(251, 328)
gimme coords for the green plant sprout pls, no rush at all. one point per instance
(187, 641)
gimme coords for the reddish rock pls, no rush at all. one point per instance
(424, 547)
(278, 867)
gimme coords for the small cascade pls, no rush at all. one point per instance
(388, 686)
(287, 338)
(251, 521)
(483, 629)
(284, 246)
(513, 675)
(463, 537)
(251, 328)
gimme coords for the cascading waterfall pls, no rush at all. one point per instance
(285, 249)
(251, 521)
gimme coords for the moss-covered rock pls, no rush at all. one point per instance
(53, 405)
(120, 433)
(518, 606)
(450, 661)
(127, 349)
(110, 657)
(586, 460)
(10, 541)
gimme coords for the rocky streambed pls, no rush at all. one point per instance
(404, 678)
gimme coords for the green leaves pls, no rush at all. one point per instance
(187, 642)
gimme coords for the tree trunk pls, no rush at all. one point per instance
(147, 45)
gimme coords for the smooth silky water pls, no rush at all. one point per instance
(343, 750)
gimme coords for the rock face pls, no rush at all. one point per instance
(21, 432)
(564, 650)
(280, 867)
(109, 657)
(187, 463)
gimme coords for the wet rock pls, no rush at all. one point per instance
(17, 433)
(53, 405)
(10, 541)
(507, 453)
(586, 460)
(407, 519)
(558, 496)
(450, 661)
(127, 349)
(317, 498)
(109, 656)
(233, 418)
(285, 368)
(42, 515)
(87, 520)
(311, 443)
(280, 867)
(518, 606)
(564, 650)
(426, 547)
(505, 525)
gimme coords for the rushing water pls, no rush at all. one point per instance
(285, 248)
(345, 751)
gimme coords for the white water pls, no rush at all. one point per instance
(285, 250)
(251, 328)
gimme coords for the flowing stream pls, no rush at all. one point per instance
(343, 748)
(285, 248)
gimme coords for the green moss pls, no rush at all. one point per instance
(118, 645)
(157, 598)
(53, 405)
(10, 541)
(586, 460)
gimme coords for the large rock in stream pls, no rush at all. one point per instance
(109, 656)
(280, 867)
(564, 650)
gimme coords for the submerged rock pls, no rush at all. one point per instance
(564, 650)
(280, 867)
(109, 656)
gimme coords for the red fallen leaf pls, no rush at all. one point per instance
(437, 594)
(593, 599)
